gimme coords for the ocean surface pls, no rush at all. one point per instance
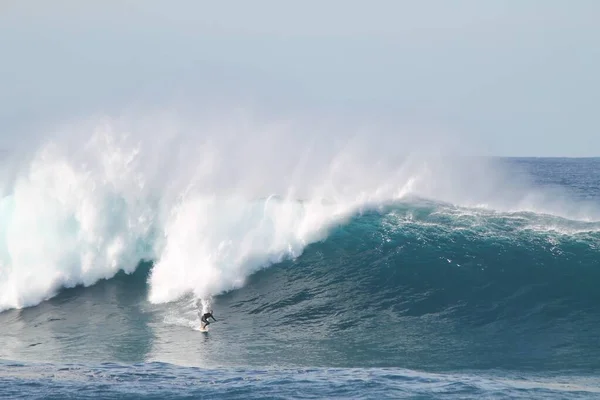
(434, 287)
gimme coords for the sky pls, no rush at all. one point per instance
(509, 77)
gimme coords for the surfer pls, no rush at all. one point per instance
(205, 318)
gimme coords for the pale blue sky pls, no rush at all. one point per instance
(515, 77)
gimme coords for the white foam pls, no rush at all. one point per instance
(212, 202)
(213, 244)
(66, 224)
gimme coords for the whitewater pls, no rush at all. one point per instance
(210, 208)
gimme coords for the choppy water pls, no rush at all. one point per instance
(413, 296)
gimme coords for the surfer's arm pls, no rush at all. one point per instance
(214, 319)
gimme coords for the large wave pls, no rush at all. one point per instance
(212, 204)
(431, 286)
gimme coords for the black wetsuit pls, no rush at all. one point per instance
(205, 318)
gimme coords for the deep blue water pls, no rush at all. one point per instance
(415, 298)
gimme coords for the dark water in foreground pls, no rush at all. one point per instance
(164, 381)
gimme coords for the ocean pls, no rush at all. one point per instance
(481, 282)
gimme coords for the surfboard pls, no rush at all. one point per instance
(202, 329)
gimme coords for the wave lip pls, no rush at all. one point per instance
(213, 244)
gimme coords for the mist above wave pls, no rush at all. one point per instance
(212, 198)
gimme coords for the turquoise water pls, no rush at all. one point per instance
(413, 297)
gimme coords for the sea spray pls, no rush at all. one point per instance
(214, 243)
(210, 203)
(66, 224)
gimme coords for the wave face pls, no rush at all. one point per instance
(434, 286)
(348, 255)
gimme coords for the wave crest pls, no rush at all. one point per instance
(188, 198)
